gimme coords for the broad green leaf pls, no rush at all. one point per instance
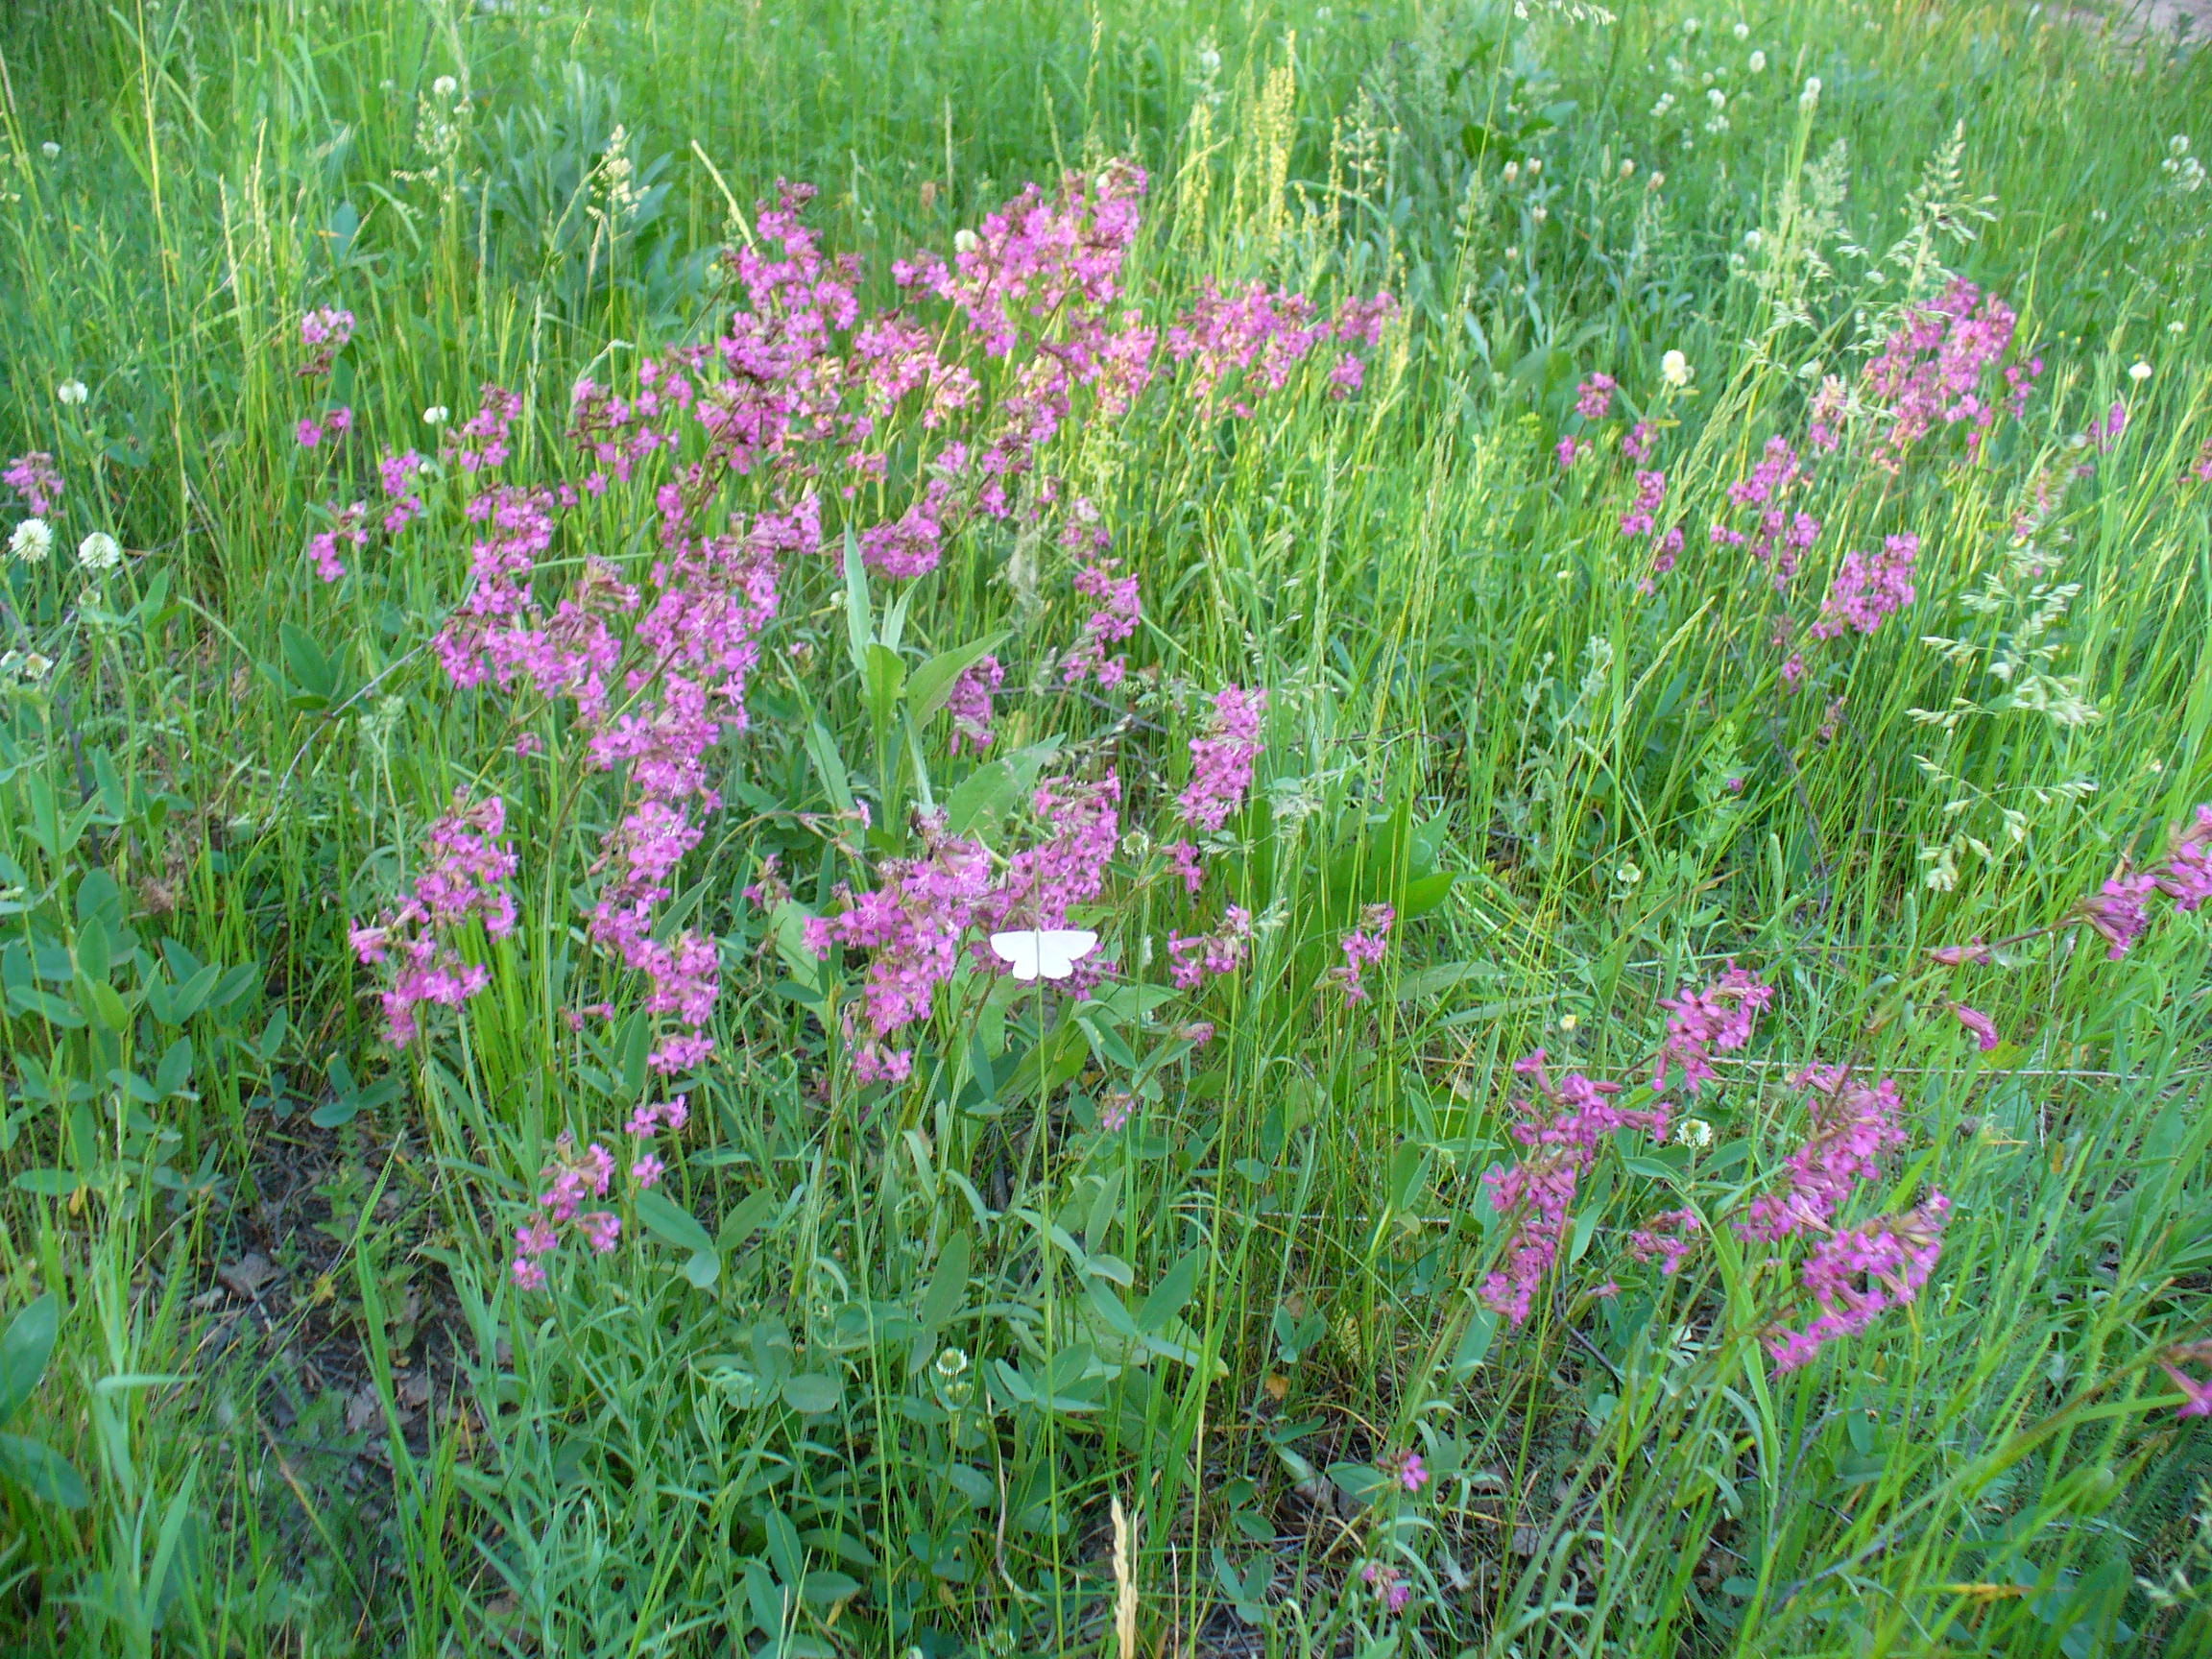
(671, 1222)
(932, 683)
(42, 1471)
(175, 1071)
(1168, 1296)
(24, 1350)
(813, 1393)
(949, 1285)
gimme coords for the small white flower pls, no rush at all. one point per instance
(444, 87)
(1716, 97)
(33, 540)
(1753, 239)
(436, 415)
(1564, 576)
(1693, 1132)
(1690, 25)
(1628, 875)
(1758, 62)
(1665, 104)
(1655, 180)
(1570, 1022)
(72, 393)
(99, 551)
(37, 666)
(1812, 93)
(2139, 372)
(1674, 369)
(2177, 327)
(1628, 168)
(50, 150)
(1742, 31)
(966, 241)
(2177, 144)
(1513, 171)
(1535, 165)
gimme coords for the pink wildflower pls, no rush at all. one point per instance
(1868, 589)
(970, 703)
(1701, 1024)
(1979, 1023)
(1670, 1236)
(1852, 1127)
(1407, 1469)
(2196, 1393)
(35, 478)
(1593, 397)
(1857, 1275)
(466, 881)
(1364, 948)
(1221, 762)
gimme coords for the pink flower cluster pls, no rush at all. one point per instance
(1221, 762)
(37, 479)
(1192, 957)
(1857, 1275)
(469, 866)
(2119, 911)
(1853, 1126)
(1364, 945)
(1594, 396)
(571, 1179)
(1867, 589)
(397, 473)
(970, 703)
(1407, 1469)
(1264, 334)
(1117, 607)
(1388, 1585)
(313, 430)
(916, 918)
(1776, 533)
(1563, 1133)
(1935, 368)
(1700, 1023)
(1671, 1236)
(348, 524)
(325, 332)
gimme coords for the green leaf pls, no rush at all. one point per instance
(1475, 1344)
(742, 1222)
(1169, 1296)
(702, 1267)
(24, 1350)
(175, 1071)
(54, 1009)
(671, 1223)
(46, 1183)
(310, 666)
(106, 1007)
(43, 1471)
(886, 677)
(859, 622)
(829, 764)
(949, 1285)
(813, 1393)
(990, 790)
(336, 1113)
(932, 683)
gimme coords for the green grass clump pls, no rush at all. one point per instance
(953, 1314)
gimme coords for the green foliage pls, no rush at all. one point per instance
(873, 1361)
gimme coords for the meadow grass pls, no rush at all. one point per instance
(1103, 1324)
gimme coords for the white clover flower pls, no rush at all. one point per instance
(436, 415)
(1628, 168)
(1758, 62)
(1690, 25)
(1665, 104)
(1812, 93)
(99, 552)
(33, 540)
(72, 393)
(50, 150)
(1674, 369)
(2139, 372)
(1535, 165)
(1693, 1132)
(1742, 31)
(1753, 240)
(966, 241)
(2177, 327)
(1628, 875)
(1513, 172)
(1570, 1022)
(1716, 97)
(37, 666)
(444, 87)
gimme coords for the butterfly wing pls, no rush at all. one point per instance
(1029, 954)
(1022, 952)
(1058, 951)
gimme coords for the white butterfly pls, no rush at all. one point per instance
(1052, 955)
